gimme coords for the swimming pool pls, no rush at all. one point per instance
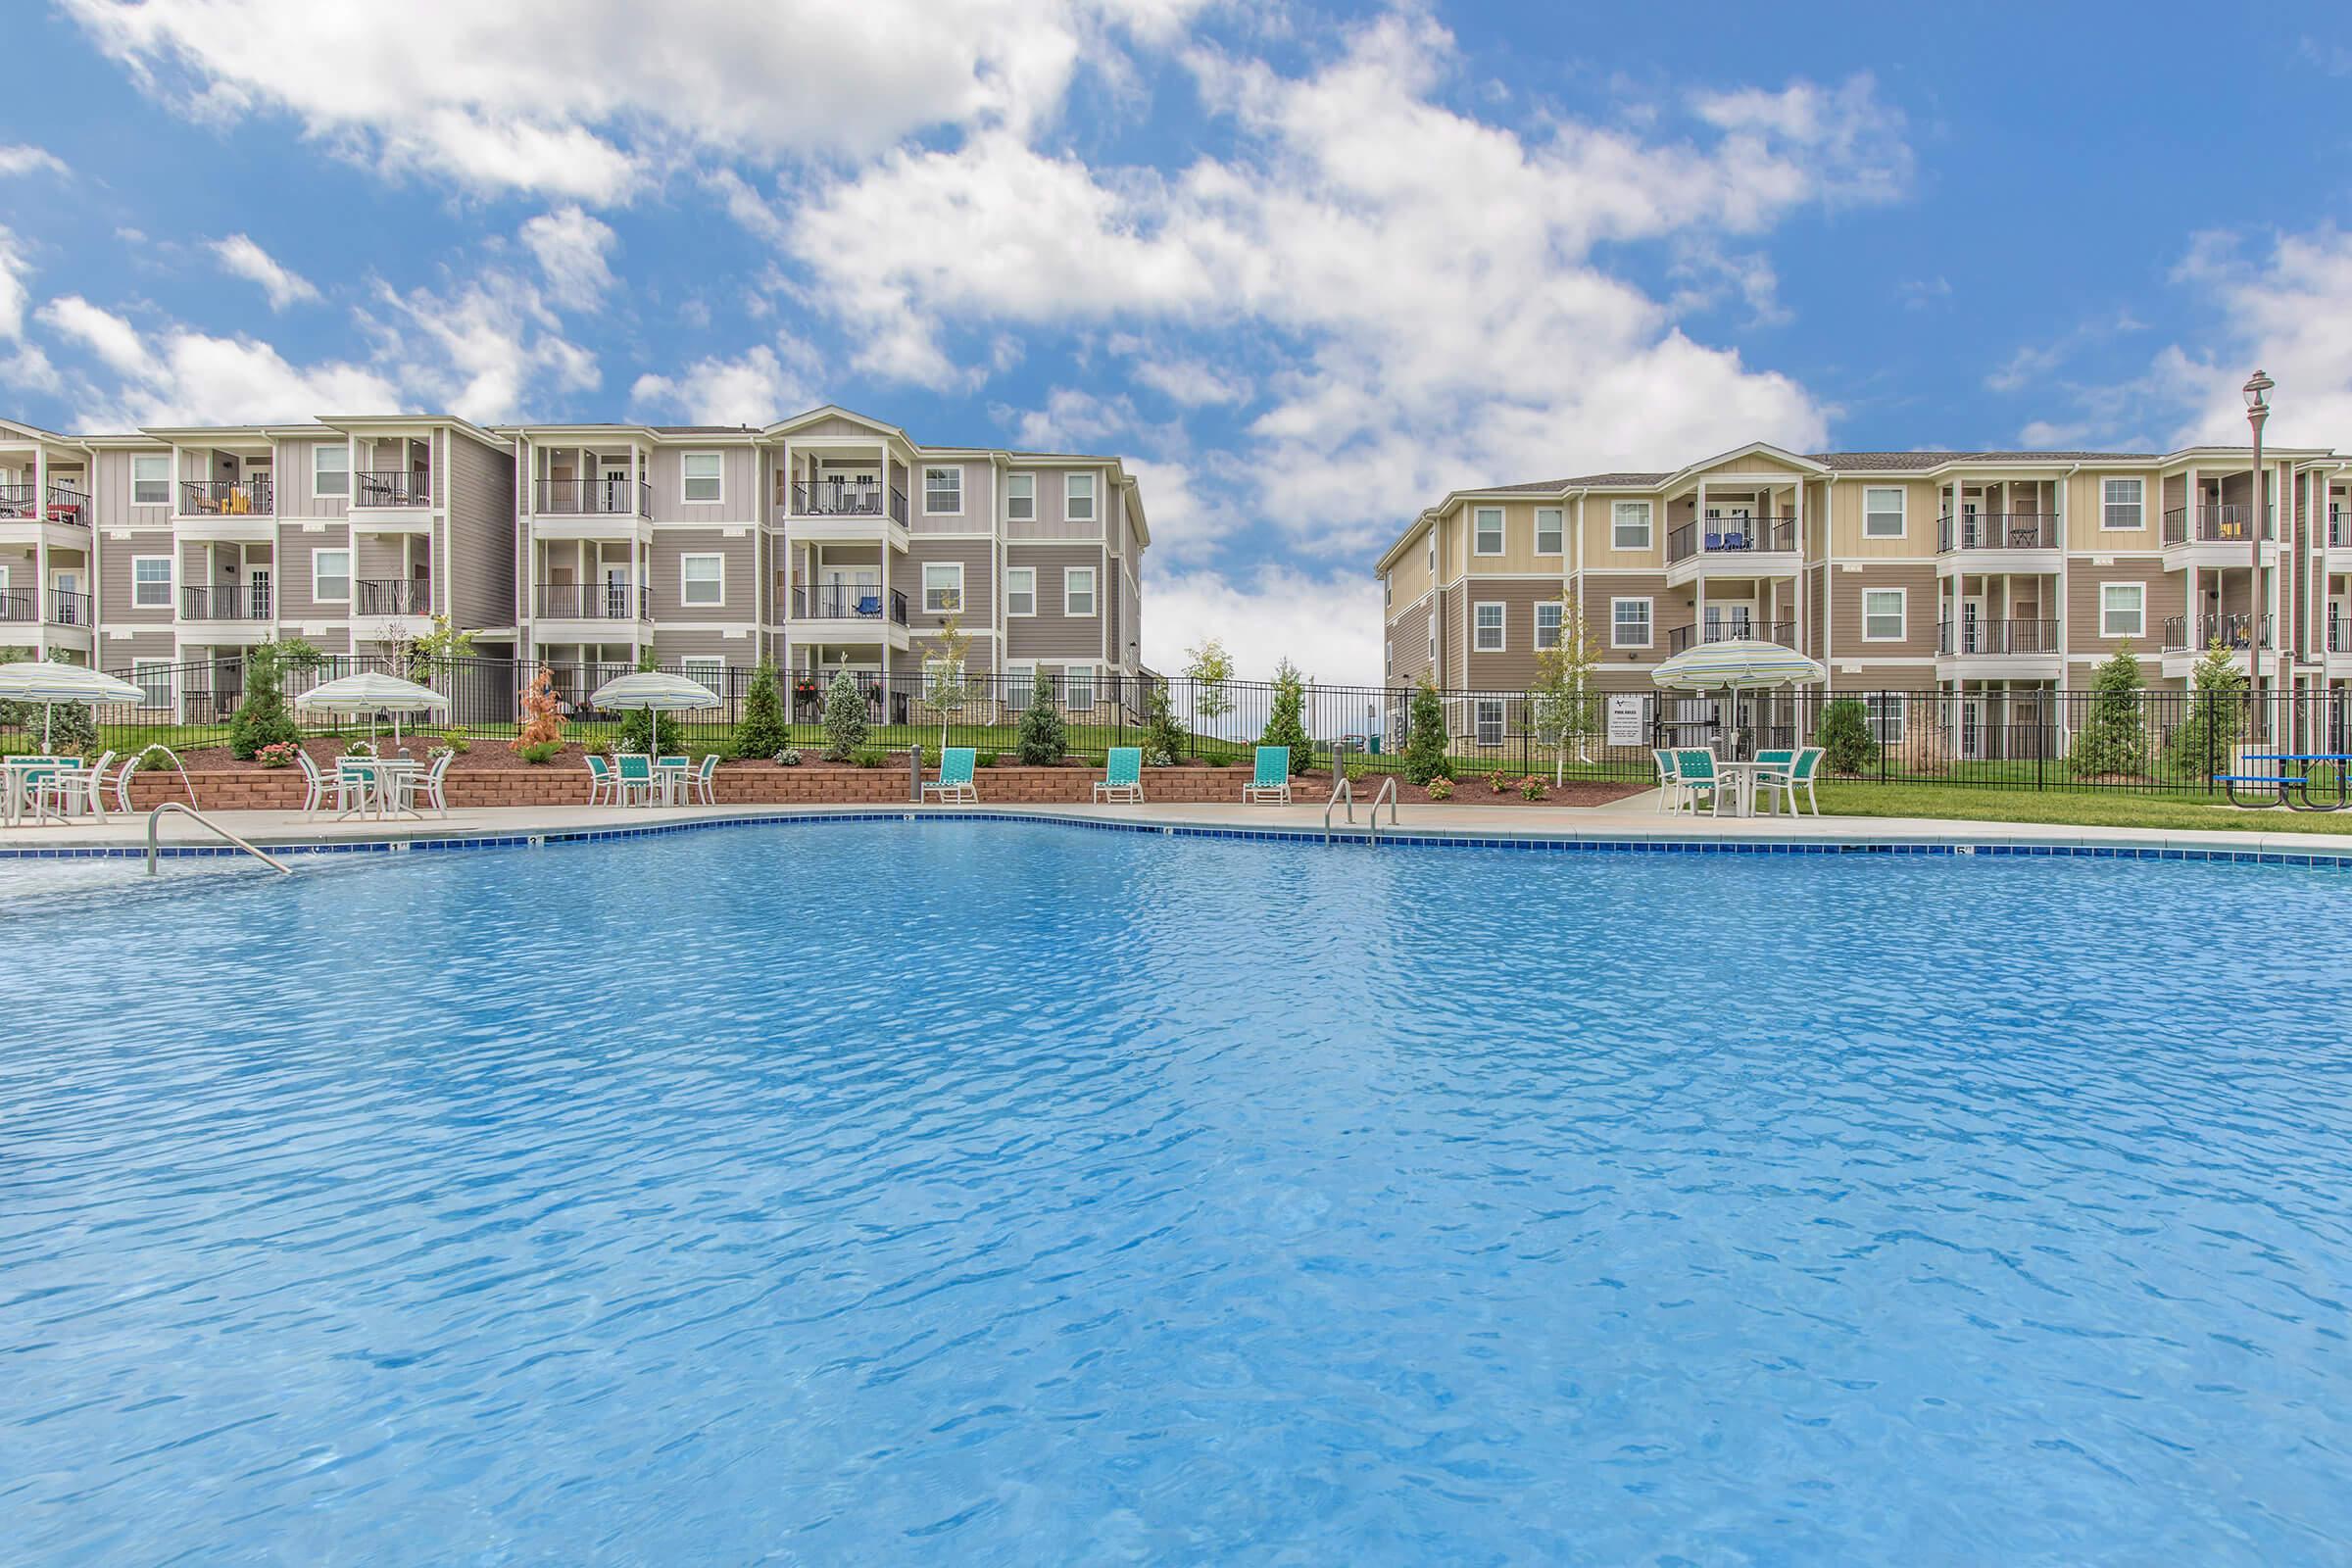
(995, 1193)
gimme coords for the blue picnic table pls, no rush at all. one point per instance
(2290, 786)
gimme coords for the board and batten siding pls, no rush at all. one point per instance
(1050, 633)
(294, 479)
(481, 590)
(975, 513)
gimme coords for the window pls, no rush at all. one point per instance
(1487, 627)
(1078, 687)
(151, 482)
(1020, 496)
(2123, 502)
(2122, 609)
(942, 492)
(1433, 555)
(153, 678)
(1078, 499)
(1628, 621)
(1020, 590)
(702, 579)
(1549, 530)
(708, 669)
(1883, 511)
(1078, 590)
(1487, 539)
(1883, 615)
(1548, 625)
(943, 681)
(700, 477)
(1489, 720)
(1886, 710)
(1628, 525)
(943, 587)
(330, 577)
(1387, 593)
(330, 471)
(150, 582)
(1433, 642)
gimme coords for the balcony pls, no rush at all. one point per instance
(1782, 632)
(233, 602)
(593, 498)
(392, 596)
(846, 602)
(1997, 530)
(2181, 635)
(1997, 639)
(840, 498)
(593, 601)
(2216, 525)
(2339, 528)
(226, 498)
(1733, 536)
(398, 487)
(20, 606)
(68, 506)
(2339, 635)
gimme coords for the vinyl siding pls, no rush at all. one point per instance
(1665, 604)
(295, 545)
(977, 513)
(671, 545)
(740, 492)
(979, 591)
(1918, 583)
(115, 607)
(2167, 596)
(1050, 634)
(478, 585)
(1515, 666)
(293, 481)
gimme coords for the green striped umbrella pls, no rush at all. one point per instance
(1736, 665)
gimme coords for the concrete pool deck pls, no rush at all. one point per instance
(1634, 821)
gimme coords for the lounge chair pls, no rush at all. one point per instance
(1694, 771)
(428, 786)
(955, 781)
(1670, 787)
(601, 782)
(699, 784)
(636, 781)
(1798, 775)
(1272, 779)
(1123, 775)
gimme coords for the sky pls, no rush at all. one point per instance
(1307, 268)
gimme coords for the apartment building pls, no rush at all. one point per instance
(1976, 576)
(822, 542)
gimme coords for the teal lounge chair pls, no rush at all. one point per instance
(955, 781)
(1798, 775)
(1272, 780)
(1694, 771)
(1123, 775)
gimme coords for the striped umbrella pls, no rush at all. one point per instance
(1736, 665)
(371, 692)
(49, 684)
(656, 690)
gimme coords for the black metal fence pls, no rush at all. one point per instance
(2156, 742)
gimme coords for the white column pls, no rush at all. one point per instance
(40, 559)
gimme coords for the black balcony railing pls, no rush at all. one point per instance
(1736, 536)
(846, 602)
(844, 498)
(70, 608)
(2339, 636)
(1782, 632)
(393, 596)
(595, 498)
(20, 606)
(66, 504)
(2185, 634)
(1997, 530)
(1996, 637)
(226, 498)
(2215, 525)
(229, 601)
(396, 487)
(592, 601)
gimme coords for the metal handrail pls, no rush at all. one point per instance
(1387, 793)
(130, 765)
(154, 819)
(1345, 790)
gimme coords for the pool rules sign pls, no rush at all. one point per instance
(1625, 718)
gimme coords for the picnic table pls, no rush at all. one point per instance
(2292, 785)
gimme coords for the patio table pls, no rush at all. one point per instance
(21, 770)
(671, 776)
(384, 775)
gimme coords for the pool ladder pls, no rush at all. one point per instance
(1346, 791)
(154, 819)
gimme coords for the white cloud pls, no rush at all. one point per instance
(106, 334)
(182, 376)
(1192, 382)
(756, 388)
(570, 247)
(15, 296)
(25, 158)
(240, 255)
(489, 350)
(1329, 626)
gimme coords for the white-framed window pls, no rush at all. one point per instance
(702, 477)
(1078, 590)
(151, 480)
(1628, 621)
(2122, 609)
(1020, 496)
(1885, 711)
(2123, 502)
(1883, 511)
(1628, 525)
(1883, 615)
(941, 674)
(942, 492)
(1486, 531)
(1486, 627)
(1433, 555)
(330, 577)
(943, 587)
(1433, 642)
(149, 582)
(1550, 531)
(1548, 623)
(330, 469)
(1078, 497)
(1020, 590)
(1487, 716)
(703, 579)
(1387, 592)
(153, 678)
(1019, 681)
(1078, 687)
(706, 669)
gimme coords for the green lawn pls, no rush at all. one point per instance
(2080, 807)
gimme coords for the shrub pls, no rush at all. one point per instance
(984, 759)
(1041, 738)
(844, 718)
(278, 753)
(1164, 737)
(1843, 735)
(1357, 771)
(1425, 738)
(72, 731)
(539, 752)
(2114, 738)
(1533, 788)
(869, 757)
(789, 757)
(1441, 788)
(760, 731)
(542, 714)
(1286, 723)
(456, 741)
(262, 718)
(2206, 740)
(644, 730)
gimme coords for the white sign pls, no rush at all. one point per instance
(1625, 719)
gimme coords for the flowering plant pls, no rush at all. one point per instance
(360, 748)
(1530, 788)
(277, 755)
(1441, 788)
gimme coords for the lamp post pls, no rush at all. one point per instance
(2257, 410)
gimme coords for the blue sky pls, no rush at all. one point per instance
(1307, 267)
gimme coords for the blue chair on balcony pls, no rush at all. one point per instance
(870, 605)
(955, 781)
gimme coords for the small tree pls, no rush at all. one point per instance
(1565, 707)
(760, 731)
(1209, 672)
(644, 730)
(1164, 737)
(2114, 738)
(1042, 740)
(1286, 723)
(2202, 745)
(845, 717)
(542, 714)
(262, 718)
(421, 657)
(1425, 735)
(1843, 735)
(945, 685)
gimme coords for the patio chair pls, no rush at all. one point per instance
(314, 783)
(701, 784)
(354, 781)
(51, 790)
(955, 781)
(81, 790)
(1271, 781)
(1123, 775)
(636, 781)
(1694, 770)
(1800, 775)
(601, 782)
(428, 786)
(1670, 786)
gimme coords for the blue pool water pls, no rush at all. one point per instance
(997, 1193)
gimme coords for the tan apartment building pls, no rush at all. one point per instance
(822, 542)
(1975, 576)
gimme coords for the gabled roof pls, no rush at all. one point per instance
(834, 410)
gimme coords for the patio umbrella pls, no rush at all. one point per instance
(372, 692)
(49, 684)
(656, 691)
(1736, 665)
